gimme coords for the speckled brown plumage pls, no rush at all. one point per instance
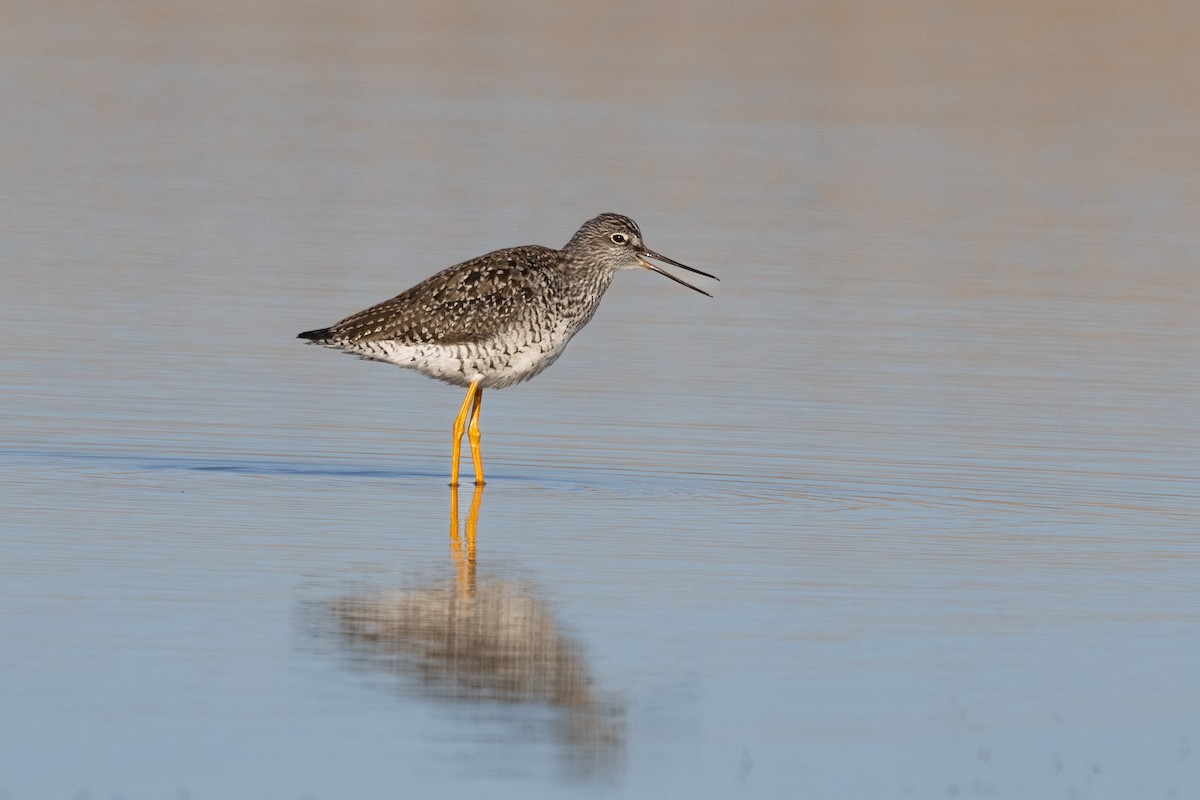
(465, 303)
(471, 321)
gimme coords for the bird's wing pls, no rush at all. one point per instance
(461, 304)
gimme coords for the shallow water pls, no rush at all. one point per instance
(907, 510)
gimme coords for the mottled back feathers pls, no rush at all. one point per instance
(467, 303)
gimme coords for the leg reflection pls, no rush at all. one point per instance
(464, 559)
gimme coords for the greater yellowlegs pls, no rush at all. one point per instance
(498, 319)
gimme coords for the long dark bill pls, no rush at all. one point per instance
(654, 268)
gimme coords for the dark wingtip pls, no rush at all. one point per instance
(314, 336)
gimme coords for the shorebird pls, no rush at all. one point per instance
(498, 319)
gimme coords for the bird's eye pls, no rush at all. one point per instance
(619, 238)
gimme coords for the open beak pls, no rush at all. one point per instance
(648, 253)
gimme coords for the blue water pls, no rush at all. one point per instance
(906, 510)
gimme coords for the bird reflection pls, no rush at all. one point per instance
(482, 639)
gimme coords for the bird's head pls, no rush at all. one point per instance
(614, 242)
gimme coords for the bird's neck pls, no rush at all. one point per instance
(589, 289)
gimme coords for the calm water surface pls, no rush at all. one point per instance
(907, 510)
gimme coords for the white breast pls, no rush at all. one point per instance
(496, 363)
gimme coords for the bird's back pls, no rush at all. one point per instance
(468, 303)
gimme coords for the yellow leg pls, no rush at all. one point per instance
(473, 438)
(460, 424)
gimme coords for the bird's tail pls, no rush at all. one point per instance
(318, 336)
